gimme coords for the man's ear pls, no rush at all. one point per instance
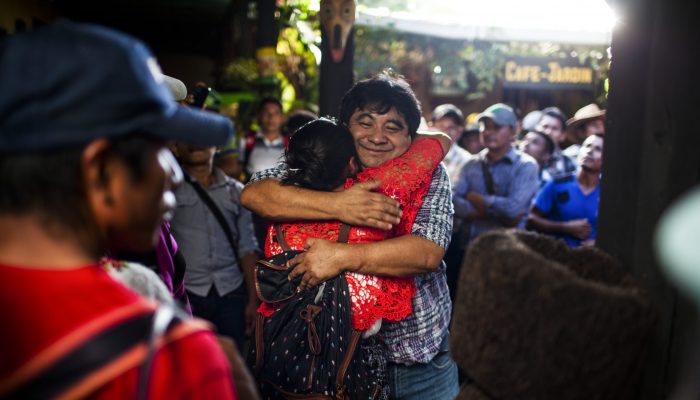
(97, 168)
(353, 166)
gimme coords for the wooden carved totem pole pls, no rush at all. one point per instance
(337, 49)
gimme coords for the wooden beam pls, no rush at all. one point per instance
(651, 157)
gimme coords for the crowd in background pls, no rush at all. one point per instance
(539, 172)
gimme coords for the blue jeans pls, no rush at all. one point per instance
(226, 312)
(434, 380)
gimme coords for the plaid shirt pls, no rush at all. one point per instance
(417, 338)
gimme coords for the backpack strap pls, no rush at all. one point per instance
(488, 178)
(216, 211)
(280, 238)
(85, 368)
(162, 319)
(340, 388)
(259, 348)
(344, 233)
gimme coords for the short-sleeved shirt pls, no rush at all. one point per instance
(454, 161)
(562, 200)
(208, 254)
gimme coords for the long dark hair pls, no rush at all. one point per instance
(319, 154)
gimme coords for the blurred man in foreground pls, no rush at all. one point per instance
(84, 167)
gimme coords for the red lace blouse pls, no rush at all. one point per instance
(406, 179)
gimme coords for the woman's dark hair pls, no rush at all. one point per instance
(296, 119)
(318, 155)
(49, 183)
(380, 94)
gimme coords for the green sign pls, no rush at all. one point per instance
(547, 74)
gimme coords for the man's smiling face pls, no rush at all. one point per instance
(379, 137)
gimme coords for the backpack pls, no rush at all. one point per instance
(87, 365)
(307, 349)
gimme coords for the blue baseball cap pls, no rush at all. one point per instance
(69, 83)
(501, 114)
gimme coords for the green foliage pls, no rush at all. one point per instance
(298, 65)
(474, 66)
(471, 68)
(241, 74)
(297, 80)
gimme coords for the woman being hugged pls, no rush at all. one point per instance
(321, 156)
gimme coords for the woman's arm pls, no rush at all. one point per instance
(401, 176)
(443, 138)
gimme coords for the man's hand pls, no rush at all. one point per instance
(251, 314)
(511, 222)
(588, 243)
(321, 261)
(477, 201)
(578, 228)
(359, 206)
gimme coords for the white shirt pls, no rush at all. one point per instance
(454, 161)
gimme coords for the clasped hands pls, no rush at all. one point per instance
(480, 210)
(356, 206)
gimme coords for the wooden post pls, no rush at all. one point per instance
(266, 52)
(337, 53)
(335, 78)
(651, 157)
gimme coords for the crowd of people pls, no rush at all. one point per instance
(522, 176)
(126, 214)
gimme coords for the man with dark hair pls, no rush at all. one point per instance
(80, 174)
(470, 140)
(383, 115)
(264, 148)
(449, 119)
(219, 275)
(553, 123)
(567, 207)
(540, 146)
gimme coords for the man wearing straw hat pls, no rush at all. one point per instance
(587, 121)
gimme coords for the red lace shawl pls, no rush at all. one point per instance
(406, 179)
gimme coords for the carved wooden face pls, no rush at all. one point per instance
(337, 18)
